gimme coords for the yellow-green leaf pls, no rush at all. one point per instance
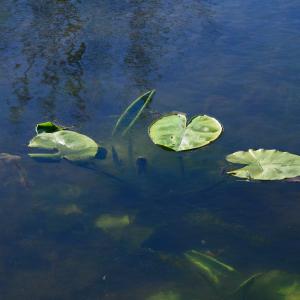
(265, 164)
(173, 132)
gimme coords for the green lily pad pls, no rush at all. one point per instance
(265, 164)
(69, 144)
(210, 267)
(173, 132)
(132, 113)
(48, 127)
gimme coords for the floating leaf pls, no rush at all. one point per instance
(173, 132)
(265, 164)
(132, 113)
(210, 267)
(69, 144)
(48, 127)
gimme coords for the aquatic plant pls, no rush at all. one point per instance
(108, 222)
(48, 127)
(210, 267)
(121, 228)
(265, 164)
(273, 285)
(70, 145)
(165, 295)
(174, 133)
(132, 113)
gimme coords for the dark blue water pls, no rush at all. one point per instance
(80, 63)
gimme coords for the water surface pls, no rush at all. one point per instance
(80, 63)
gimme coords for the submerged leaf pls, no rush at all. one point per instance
(70, 209)
(69, 144)
(107, 222)
(244, 287)
(210, 267)
(168, 295)
(265, 164)
(48, 127)
(173, 132)
(274, 285)
(132, 113)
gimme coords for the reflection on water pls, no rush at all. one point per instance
(112, 229)
(51, 54)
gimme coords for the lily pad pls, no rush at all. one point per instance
(210, 267)
(48, 127)
(132, 113)
(69, 144)
(265, 164)
(173, 132)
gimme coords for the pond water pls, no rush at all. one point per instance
(105, 230)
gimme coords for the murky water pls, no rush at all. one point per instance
(80, 63)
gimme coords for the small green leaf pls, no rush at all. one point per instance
(69, 144)
(132, 113)
(265, 164)
(173, 132)
(210, 267)
(48, 127)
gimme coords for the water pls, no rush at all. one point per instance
(81, 63)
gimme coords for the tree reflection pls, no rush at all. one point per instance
(53, 56)
(158, 32)
(140, 58)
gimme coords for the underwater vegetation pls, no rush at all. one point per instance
(109, 222)
(273, 285)
(173, 132)
(212, 268)
(166, 295)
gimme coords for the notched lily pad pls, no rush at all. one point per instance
(173, 132)
(69, 145)
(132, 113)
(48, 127)
(265, 164)
(210, 267)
